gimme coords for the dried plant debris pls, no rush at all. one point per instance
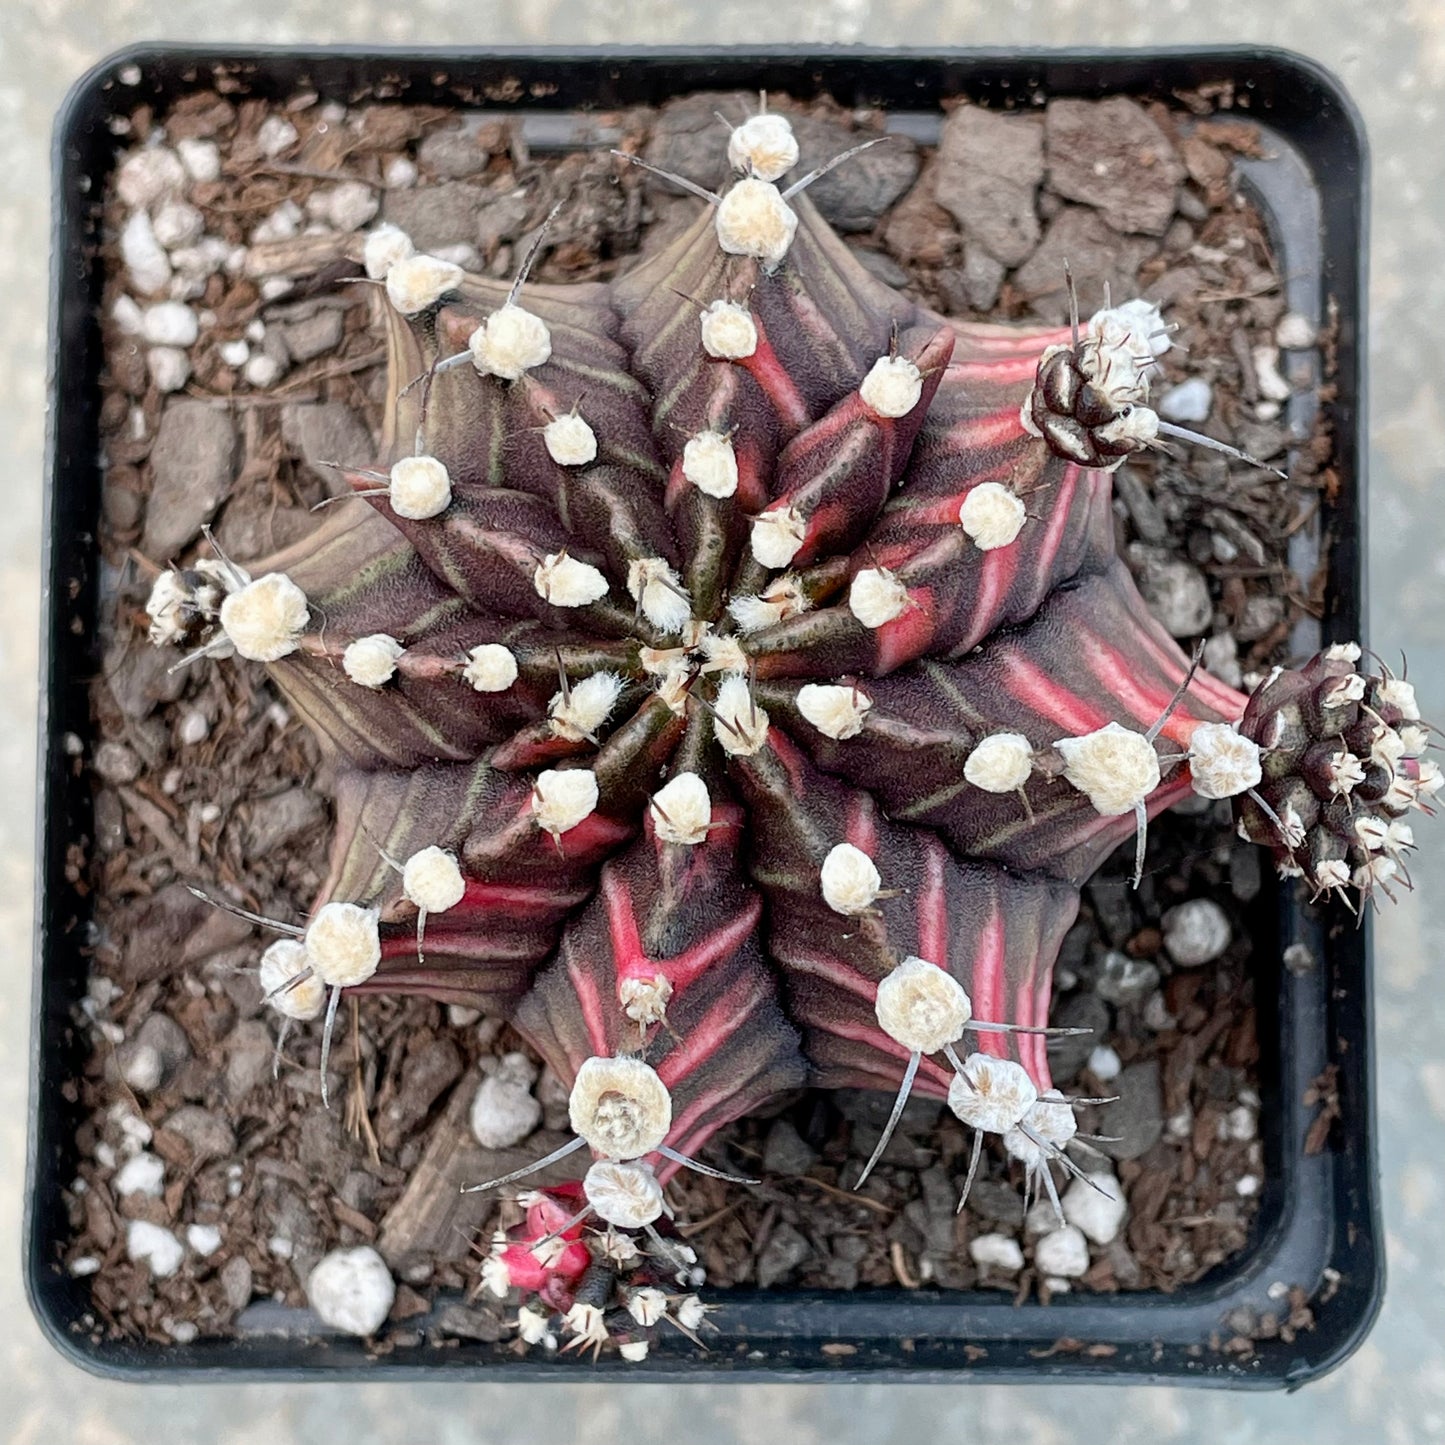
(630, 851)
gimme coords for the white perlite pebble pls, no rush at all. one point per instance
(585, 706)
(420, 488)
(992, 515)
(384, 246)
(416, 282)
(1196, 932)
(626, 1196)
(274, 135)
(176, 224)
(753, 219)
(201, 158)
(1096, 1208)
(371, 661)
(169, 367)
(1104, 1064)
(682, 810)
(283, 224)
(145, 176)
(1222, 762)
(763, 146)
(141, 1174)
(836, 711)
(570, 442)
(1189, 402)
(1115, 767)
(892, 386)
(151, 1245)
(262, 371)
(204, 1239)
(657, 589)
(729, 332)
(565, 582)
(503, 1109)
(343, 944)
(1000, 763)
(1062, 1253)
(145, 259)
(849, 880)
(490, 668)
(433, 880)
(921, 1007)
(510, 342)
(739, 724)
(710, 464)
(127, 315)
(1272, 385)
(1294, 332)
(352, 1290)
(401, 173)
(144, 1069)
(282, 963)
(877, 597)
(562, 798)
(1001, 1094)
(996, 1251)
(345, 207)
(264, 618)
(235, 353)
(777, 535)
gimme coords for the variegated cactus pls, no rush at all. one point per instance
(732, 682)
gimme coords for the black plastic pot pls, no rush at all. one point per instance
(1317, 1226)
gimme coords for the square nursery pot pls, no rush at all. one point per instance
(1318, 1225)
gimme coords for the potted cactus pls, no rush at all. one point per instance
(729, 678)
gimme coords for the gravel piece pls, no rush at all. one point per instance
(315, 334)
(1103, 1064)
(458, 1322)
(146, 175)
(1294, 332)
(1175, 591)
(275, 135)
(1196, 932)
(204, 1239)
(116, 763)
(274, 822)
(177, 224)
(1135, 1120)
(1062, 1253)
(345, 207)
(201, 158)
(919, 230)
(248, 1057)
(236, 1281)
(989, 170)
(208, 1135)
(154, 1246)
(170, 323)
(453, 153)
(437, 215)
(786, 1152)
(1188, 402)
(1096, 254)
(1124, 981)
(1067, 1055)
(503, 1110)
(352, 1290)
(1112, 155)
(785, 1250)
(192, 468)
(1097, 1212)
(326, 431)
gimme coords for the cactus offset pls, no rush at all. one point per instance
(733, 681)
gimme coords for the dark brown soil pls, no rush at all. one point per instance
(204, 776)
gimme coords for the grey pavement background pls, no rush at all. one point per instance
(1391, 56)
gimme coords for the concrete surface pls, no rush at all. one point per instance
(1392, 58)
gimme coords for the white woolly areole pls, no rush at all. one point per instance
(657, 589)
(620, 1107)
(724, 654)
(682, 810)
(383, 248)
(729, 332)
(586, 1323)
(490, 668)
(1138, 425)
(1414, 739)
(645, 1000)
(1343, 652)
(922, 1007)
(777, 535)
(753, 219)
(343, 943)
(352, 1290)
(265, 617)
(1001, 1095)
(876, 597)
(892, 386)
(740, 725)
(1000, 763)
(627, 1196)
(416, 282)
(565, 582)
(563, 797)
(1051, 1120)
(1375, 871)
(509, 342)
(992, 515)
(674, 686)
(371, 661)
(647, 1306)
(849, 880)
(780, 599)
(1332, 873)
(1222, 762)
(1373, 833)
(283, 961)
(532, 1328)
(1387, 747)
(433, 880)
(570, 442)
(585, 707)
(1118, 363)
(1338, 691)
(1396, 692)
(1345, 772)
(836, 711)
(1114, 767)
(421, 487)
(764, 146)
(710, 464)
